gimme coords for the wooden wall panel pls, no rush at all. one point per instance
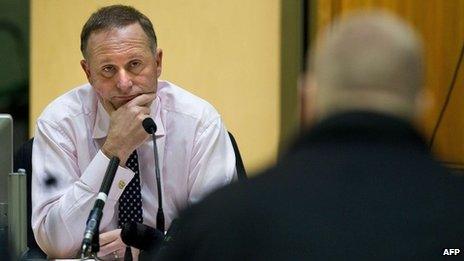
(441, 25)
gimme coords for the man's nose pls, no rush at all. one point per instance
(124, 80)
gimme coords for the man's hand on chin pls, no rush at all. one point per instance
(126, 133)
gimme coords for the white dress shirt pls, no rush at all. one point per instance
(195, 154)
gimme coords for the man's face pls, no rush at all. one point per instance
(120, 64)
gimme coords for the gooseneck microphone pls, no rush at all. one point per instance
(141, 236)
(90, 243)
(150, 127)
(151, 241)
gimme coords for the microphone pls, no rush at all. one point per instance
(151, 241)
(93, 221)
(150, 127)
(141, 236)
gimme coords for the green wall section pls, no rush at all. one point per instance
(14, 69)
(290, 69)
(14, 42)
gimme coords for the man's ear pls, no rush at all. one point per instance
(86, 69)
(159, 61)
(307, 94)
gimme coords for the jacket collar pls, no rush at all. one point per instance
(361, 126)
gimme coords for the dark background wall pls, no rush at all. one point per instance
(14, 65)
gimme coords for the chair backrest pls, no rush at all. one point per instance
(23, 160)
(241, 173)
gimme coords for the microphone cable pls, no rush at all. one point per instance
(447, 99)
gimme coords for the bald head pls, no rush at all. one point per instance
(367, 61)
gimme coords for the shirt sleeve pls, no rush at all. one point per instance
(62, 195)
(213, 161)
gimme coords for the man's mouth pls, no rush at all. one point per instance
(125, 97)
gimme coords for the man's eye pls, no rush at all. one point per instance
(108, 69)
(134, 64)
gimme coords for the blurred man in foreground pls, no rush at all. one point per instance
(360, 184)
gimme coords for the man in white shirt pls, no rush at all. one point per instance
(80, 131)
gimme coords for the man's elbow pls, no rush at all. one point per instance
(55, 243)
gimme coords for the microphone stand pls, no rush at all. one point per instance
(90, 243)
(160, 214)
(150, 127)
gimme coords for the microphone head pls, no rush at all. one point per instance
(149, 125)
(141, 236)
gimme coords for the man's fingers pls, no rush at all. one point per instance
(110, 242)
(109, 236)
(138, 109)
(142, 100)
(111, 247)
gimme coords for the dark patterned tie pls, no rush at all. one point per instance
(130, 202)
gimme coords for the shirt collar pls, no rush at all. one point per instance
(102, 120)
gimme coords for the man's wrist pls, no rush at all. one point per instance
(110, 152)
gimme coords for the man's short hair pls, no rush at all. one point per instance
(368, 60)
(116, 16)
(370, 50)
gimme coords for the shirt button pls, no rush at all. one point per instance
(121, 184)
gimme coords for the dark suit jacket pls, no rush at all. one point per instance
(359, 186)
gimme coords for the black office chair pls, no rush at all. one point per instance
(241, 173)
(23, 160)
